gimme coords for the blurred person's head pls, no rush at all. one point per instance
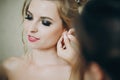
(99, 37)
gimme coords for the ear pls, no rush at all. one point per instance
(65, 29)
(94, 72)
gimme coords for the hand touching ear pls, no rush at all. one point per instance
(68, 48)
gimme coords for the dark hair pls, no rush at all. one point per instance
(100, 35)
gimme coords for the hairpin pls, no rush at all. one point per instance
(78, 1)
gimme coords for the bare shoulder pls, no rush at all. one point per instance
(12, 63)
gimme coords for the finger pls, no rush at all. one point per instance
(66, 40)
(74, 42)
(72, 38)
(71, 31)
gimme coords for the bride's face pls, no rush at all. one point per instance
(42, 24)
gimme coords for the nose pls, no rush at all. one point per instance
(34, 29)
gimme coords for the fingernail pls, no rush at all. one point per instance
(65, 35)
(69, 36)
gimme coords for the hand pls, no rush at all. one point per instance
(68, 47)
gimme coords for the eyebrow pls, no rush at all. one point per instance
(44, 17)
(41, 18)
(28, 12)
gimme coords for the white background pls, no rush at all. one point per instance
(10, 28)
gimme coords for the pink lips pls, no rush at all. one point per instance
(32, 38)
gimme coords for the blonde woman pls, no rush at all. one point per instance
(52, 50)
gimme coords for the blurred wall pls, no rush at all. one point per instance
(10, 28)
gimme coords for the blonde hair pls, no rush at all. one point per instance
(68, 10)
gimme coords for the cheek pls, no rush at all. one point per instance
(56, 34)
(26, 26)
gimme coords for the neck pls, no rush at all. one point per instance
(44, 57)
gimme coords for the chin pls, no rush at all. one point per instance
(41, 47)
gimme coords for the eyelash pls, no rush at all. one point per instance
(44, 21)
(28, 17)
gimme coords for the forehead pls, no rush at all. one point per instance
(44, 7)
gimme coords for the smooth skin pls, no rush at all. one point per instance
(47, 59)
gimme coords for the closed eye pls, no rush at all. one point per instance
(46, 22)
(28, 17)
